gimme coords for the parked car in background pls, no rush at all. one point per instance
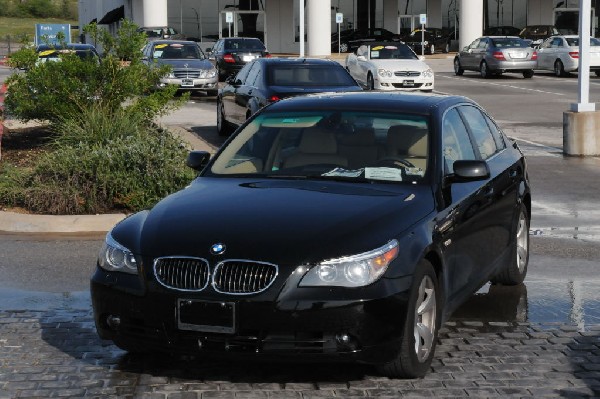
(161, 32)
(191, 69)
(47, 52)
(232, 53)
(538, 33)
(433, 39)
(560, 54)
(268, 80)
(351, 39)
(389, 66)
(332, 227)
(494, 55)
(501, 31)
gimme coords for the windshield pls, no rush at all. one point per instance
(177, 51)
(509, 42)
(392, 52)
(308, 75)
(54, 54)
(350, 146)
(244, 44)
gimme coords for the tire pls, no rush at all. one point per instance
(484, 70)
(422, 321)
(220, 74)
(343, 47)
(370, 82)
(515, 271)
(446, 48)
(458, 71)
(223, 127)
(528, 74)
(432, 49)
(559, 68)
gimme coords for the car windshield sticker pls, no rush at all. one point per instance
(391, 48)
(383, 174)
(341, 172)
(157, 54)
(176, 45)
(374, 54)
(415, 172)
(377, 48)
(47, 52)
(161, 46)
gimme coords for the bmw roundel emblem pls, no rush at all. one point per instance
(217, 249)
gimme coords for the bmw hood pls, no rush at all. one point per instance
(187, 63)
(275, 220)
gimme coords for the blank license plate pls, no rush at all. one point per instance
(217, 317)
(187, 82)
(408, 83)
(248, 58)
(518, 54)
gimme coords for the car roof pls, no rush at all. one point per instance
(385, 43)
(169, 41)
(369, 101)
(298, 61)
(240, 37)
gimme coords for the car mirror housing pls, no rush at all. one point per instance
(197, 160)
(471, 170)
(361, 58)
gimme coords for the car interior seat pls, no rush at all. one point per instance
(317, 146)
(407, 142)
(359, 147)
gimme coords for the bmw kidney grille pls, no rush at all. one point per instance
(188, 274)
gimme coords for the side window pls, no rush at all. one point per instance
(474, 44)
(482, 43)
(254, 71)
(480, 130)
(496, 133)
(456, 142)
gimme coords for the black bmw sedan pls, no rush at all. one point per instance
(341, 227)
(266, 80)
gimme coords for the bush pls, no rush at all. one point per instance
(129, 168)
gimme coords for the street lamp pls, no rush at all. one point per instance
(198, 30)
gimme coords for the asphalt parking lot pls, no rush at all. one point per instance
(541, 339)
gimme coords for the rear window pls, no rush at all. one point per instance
(308, 75)
(245, 44)
(574, 41)
(509, 42)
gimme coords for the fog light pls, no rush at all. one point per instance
(343, 339)
(346, 342)
(385, 84)
(113, 322)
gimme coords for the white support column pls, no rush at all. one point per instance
(540, 12)
(434, 13)
(319, 27)
(583, 104)
(155, 13)
(390, 15)
(471, 21)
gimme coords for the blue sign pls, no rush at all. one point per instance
(47, 33)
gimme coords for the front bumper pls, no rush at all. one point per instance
(404, 83)
(284, 327)
(192, 84)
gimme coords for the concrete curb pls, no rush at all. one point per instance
(27, 223)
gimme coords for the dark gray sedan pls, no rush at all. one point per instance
(494, 55)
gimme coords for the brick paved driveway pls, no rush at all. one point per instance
(57, 353)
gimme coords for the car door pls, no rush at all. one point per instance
(245, 94)
(353, 67)
(544, 53)
(467, 58)
(363, 64)
(229, 95)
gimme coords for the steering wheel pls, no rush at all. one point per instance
(394, 161)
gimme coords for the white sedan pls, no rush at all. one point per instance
(561, 54)
(389, 66)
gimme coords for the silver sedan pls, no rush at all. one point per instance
(560, 54)
(491, 55)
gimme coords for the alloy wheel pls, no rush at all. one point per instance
(522, 242)
(425, 318)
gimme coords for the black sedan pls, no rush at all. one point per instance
(349, 40)
(232, 53)
(332, 227)
(267, 80)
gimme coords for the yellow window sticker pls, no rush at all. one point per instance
(376, 48)
(161, 46)
(47, 52)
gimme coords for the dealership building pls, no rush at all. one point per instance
(282, 23)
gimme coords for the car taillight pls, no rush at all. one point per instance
(534, 56)
(274, 98)
(498, 55)
(267, 55)
(574, 54)
(228, 58)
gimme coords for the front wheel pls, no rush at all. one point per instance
(458, 71)
(559, 68)
(343, 47)
(222, 125)
(421, 326)
(515, 271)
(528, 74)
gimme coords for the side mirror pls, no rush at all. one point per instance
(471, 170)
(197, 160)
(361, 58)
(422, 58)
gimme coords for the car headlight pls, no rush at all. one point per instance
(428, 73)
(116, 258)
(352, 271)
(211, 73)
(384, 73)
